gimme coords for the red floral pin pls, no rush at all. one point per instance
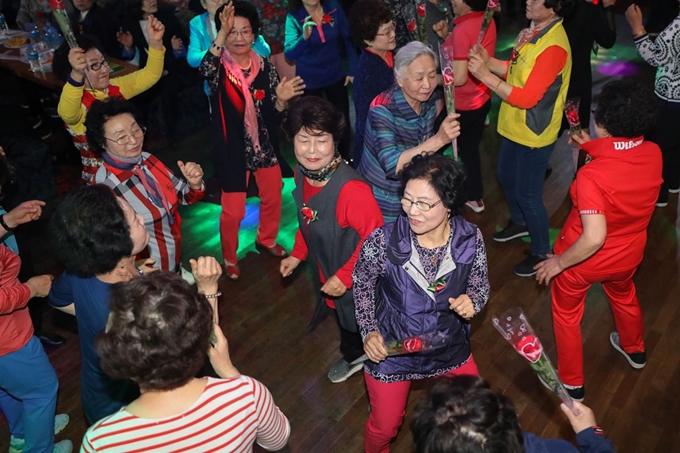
(310, 215)
(258, 95)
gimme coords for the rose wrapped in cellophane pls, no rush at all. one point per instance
(64, 23)
(491, 6)
(446, 63)
(571, 112)
(410, 345)
(516, 329)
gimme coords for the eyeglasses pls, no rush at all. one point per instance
(98, 65)
(126, 139)
(246, 33)
(421, 205)
(388, 31)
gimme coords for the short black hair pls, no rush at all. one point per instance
(462, 414)
(60, 65)
(562, 8)
(133, 9)
(241, 9)
(89, 231)
(365, 19)
(626, 108)
(102, 111)
(444, 174)
(314, 114)
(158, 333)
(476, 5)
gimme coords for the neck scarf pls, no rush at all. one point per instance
(250, 115)
(325, 173)
(134, 165)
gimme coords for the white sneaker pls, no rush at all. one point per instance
(476, 205)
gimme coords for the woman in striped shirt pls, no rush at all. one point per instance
(401, 124)
(157, 335)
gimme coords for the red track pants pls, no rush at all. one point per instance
(388, 407)
(269, 183)
(568, 302)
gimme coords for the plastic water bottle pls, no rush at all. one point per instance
(36, 38)
(3, 24)
(34, 60)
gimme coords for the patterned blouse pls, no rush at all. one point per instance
(272, 22)
(372, 264)
(266, 157)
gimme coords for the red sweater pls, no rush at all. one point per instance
(15, 323)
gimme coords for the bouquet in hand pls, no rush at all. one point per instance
(515, 328)
(416, 343)
(571, 111)
(64, 23)
(446, 62)
(414, 15)
(491, 6)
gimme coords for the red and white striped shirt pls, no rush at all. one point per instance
(230, 416)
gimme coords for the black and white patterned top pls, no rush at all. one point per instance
(664, 53)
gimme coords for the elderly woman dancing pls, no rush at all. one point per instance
(141, 179)
(158, 334)
(401, 124)
(423, 273)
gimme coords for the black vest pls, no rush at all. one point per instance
(329, 245)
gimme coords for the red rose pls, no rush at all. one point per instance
(491, 4)
(421, 10)
(572, 117)
(413, 344)
(530, 347)
(447, 75)
(258, 95)
(55, 4)
(412, 26)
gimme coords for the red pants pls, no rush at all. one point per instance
(269, 183)
(388, 407)
(568, 302)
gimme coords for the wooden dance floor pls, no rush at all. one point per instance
(264, 318)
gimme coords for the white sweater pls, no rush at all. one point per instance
(664, 53)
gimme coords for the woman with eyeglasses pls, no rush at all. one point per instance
(533, 86)
(153, 191)
(86, 71)
(423, 273)
(372, 29)
(315, 32)
(247, 99)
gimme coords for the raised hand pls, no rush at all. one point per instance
(24, 213)
(634, 18)
(192, 172)
(206, 270)
(78, 62)
(177, 44)
(442, 29)
(155, 31)
(449, 129)
(307, 27)
(125, 38)
(288, 89)
(227, 19)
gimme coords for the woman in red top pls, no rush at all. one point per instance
(604, 237)
(336, 211)
(473, 98)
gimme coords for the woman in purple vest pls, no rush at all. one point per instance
(424, 273)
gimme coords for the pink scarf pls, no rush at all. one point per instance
(250, 115)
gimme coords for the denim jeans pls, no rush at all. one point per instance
(521, 172)
(28, 396)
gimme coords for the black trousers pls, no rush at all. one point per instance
(471, 129)
(336, 93)
(351, 345)
(667, 135)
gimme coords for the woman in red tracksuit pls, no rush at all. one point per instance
(604, 237)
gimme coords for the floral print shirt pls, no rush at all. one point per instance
(272, 22)
(211, 69)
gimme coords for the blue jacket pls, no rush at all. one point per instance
(200, 41)
(589, 440)
(405, 307)
(320, 63)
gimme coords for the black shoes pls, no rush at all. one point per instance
(510, 232)
(526, 267)
(637, 360)
(51, 340)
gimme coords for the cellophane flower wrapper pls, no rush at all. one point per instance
(64, 23)
(446, 63)
(571, 112)
(410, 16)
(422, 24)
(491, 5)
(516, 329)
(410, 345)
